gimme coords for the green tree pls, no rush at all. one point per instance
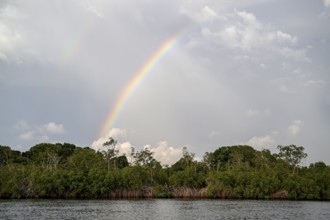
(145, 159)
(45, 154)
(65, 151)
(121, 161)
(5, 155)
(111, 152)
(133, 178)
(292, 155)
(84, 159)
(185, 162)
(320, 173)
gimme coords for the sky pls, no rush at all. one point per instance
(238, 72)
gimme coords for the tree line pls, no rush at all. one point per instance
(65, 170)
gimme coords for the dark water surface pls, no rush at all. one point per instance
(163, 209)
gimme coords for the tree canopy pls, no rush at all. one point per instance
(65, 170)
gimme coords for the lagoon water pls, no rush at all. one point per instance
(163, 209)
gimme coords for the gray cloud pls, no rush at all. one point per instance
(239, 73)
(326, 3)
(38, 133)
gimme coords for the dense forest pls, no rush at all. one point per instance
(236, 172)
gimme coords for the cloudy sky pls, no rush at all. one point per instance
(243, 72)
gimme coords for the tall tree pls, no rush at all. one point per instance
(145, 159)
(5, 155)
(111, 152)
(292, 155)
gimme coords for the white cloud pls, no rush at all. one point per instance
(326, 3)
(28, 136)
(295, 128)
(92, 9)
(27, 28)
(249, 18)
(206, 13)
(117, 132)
(33, 136)
(298, 55)
(10, 37)
(252, 113)
(125, 148)
(98, 144)
(114, 133)
(167, 155)
(284, 37)
(10, 12)
(242, 30)
(262, 141)
(53, 128)
(38, 133)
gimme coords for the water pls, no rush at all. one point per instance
(162, 209)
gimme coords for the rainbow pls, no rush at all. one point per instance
(136, 80)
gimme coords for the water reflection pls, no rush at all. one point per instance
(162, 209)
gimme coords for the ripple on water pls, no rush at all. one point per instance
(162, 209)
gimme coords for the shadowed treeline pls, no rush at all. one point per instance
(240, 172)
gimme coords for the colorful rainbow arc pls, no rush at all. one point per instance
(138, 77)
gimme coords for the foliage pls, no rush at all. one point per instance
(68, 171)
(292, 155)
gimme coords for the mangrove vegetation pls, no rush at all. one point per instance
(237, 172)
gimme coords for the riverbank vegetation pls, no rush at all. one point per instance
(234, 172)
